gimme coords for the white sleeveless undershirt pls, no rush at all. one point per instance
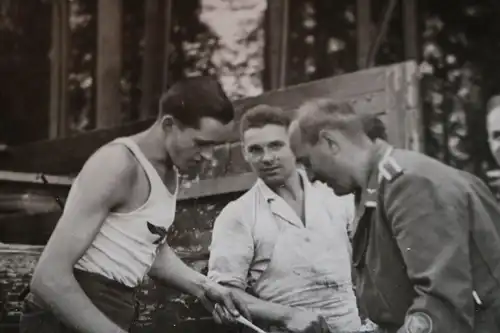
(127, 243)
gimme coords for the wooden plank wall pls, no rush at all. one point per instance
(109, 63)
(386, 91)
(151, 82)
(65, 156)
(277, 28)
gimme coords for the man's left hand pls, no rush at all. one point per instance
(229, 306)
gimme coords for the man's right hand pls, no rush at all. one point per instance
(304, 321)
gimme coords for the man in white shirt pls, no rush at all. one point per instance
(286, 240)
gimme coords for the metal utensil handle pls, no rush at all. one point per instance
(246, 322)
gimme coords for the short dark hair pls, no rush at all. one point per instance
(262, 115)
(318, 114)
(191, 99)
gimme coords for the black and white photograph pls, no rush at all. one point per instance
(249, 166)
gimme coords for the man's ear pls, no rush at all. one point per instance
(167, 122)
(330, 139)
(244, 152)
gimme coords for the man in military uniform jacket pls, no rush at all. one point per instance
(426, 244)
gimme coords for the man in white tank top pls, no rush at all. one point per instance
(112, 231)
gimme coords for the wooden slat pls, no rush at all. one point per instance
(414, 128)
(226, 177)
(66, 156)
(217, 186)
(403, 119)
(59, 69)
(152, 59)
(340, 87)
(188, 190)
(55, 61)
(369, 103)
(382, 29)
(25, 177)
(410, 28)
(364, 31)
(109, 63)
(276, 42)
(167, 27)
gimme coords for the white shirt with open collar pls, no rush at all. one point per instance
(246, 230)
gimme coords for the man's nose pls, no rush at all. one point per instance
(268, 157)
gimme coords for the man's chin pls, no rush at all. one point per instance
(273, 180)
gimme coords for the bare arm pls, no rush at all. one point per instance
(263, 310)
(99, 190)
(170, 270)
(231, 254)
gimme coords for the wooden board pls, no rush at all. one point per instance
(66, 156)
(391, 91)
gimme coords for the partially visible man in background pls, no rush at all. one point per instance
(493, 129)
(285, 240)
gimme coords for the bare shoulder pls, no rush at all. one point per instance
(110, 163)
(110, 172)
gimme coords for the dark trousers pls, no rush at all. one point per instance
(113, 299)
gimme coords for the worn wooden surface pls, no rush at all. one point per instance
(162, 309)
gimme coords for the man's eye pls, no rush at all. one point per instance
(276, 145)
(255, 151)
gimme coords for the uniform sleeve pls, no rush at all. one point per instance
(231, 250)
(429, 223)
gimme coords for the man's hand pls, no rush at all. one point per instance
(303, 321)
(224, 305)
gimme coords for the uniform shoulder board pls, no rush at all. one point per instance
(390, 169)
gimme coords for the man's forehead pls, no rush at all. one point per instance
(264, 134)
(494, 119)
